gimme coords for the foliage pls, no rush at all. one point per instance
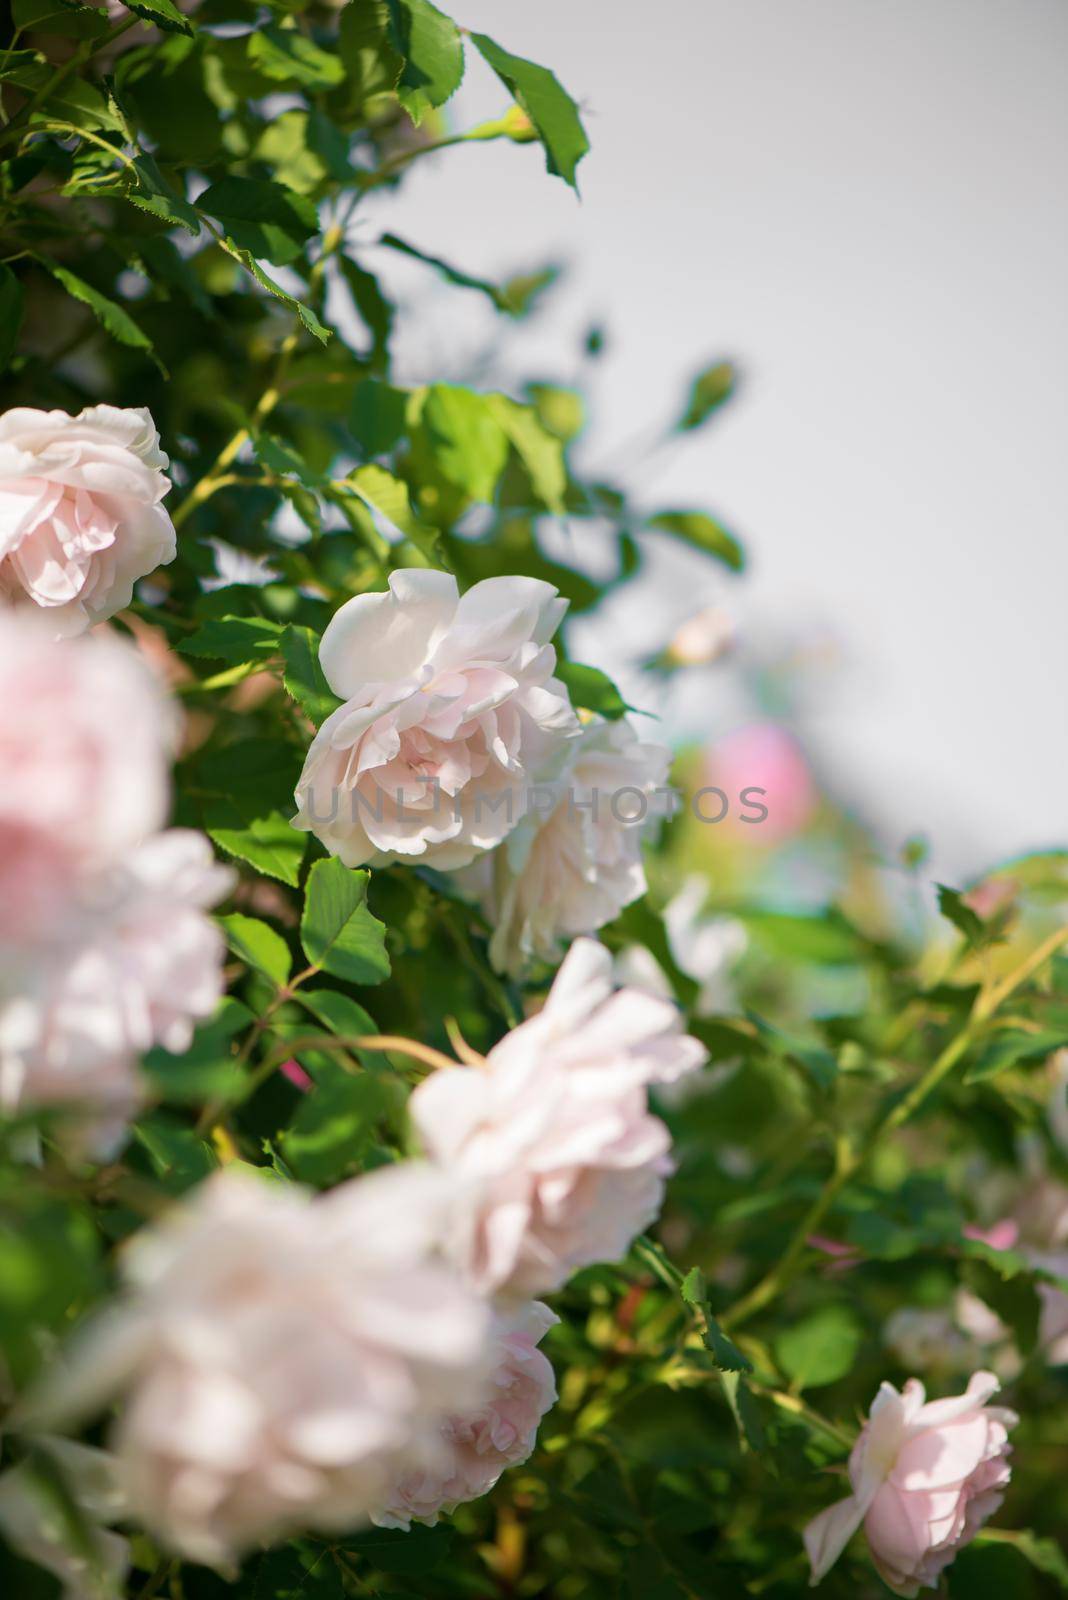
(188, 196)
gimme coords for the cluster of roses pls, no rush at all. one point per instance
(283, 1361)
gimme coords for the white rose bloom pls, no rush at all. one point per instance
(80, 512)
(555, 1159)
(574, 862)
(483, 1442)
(281, 1359)
(451, 713)
(86, 735)
(140, 964)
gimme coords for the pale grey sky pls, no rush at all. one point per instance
(864, 203)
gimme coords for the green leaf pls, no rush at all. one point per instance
(334, 1125)
(540, 451)
(821, 1348)
(180, 1158)
(156, 196)
(306, 149)
(112, 318)
(514, 298)
(825, 937)
(468, 443)
(1045, 1555)
(253, 942)
(372, 66)
(288, 56)
(164, 262)
(265, 839)
(384, 493)
(163, 13)
(562, 411)
(341, 1014)
(744, 1410)
(271, 222)
(818, 1064)
(592, 689)
(337, 930)
(374, 309)
(1011, 1047)
(304, 677)
(252, 266)
(235, 640)
(207, 1070)
(433, 55)
(709, 390)
(964, 919)
(723, 1351)
(549, 106)
(69, 20)
(11, 300)
(697, 528)
(377, 418)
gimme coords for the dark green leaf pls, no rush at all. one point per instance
(304, 678)
(71, 21)
(744, 1409)
(964, 919)
(156, 196)
(375, 311)
(378, 416)
(723, 1351)
(10, 314)
(207, 1070)
(111, 317)
(268, 220)
(549, 106)
(252, 266)
(1011, 1047)
(334, 1125)
(235, 640)
(163, 13)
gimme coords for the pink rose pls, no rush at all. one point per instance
(80, 513)
(926, 1475)
(571, 867)
(85, 741)
(138, 965)
(281, 1359)
(451, 713)
(555, 1158)
(500, 1433)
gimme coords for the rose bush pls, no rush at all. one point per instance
(300, 1104)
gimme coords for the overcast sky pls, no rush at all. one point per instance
(864, 204)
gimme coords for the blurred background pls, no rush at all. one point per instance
(862, 206)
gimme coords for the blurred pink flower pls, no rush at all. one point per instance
(280, 1358)
(500, 1433)
(555, 1158)
(80, 512)
(296, 1074)
(137, 966)
(762, 756)
(85, 740)
(926, 1475)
